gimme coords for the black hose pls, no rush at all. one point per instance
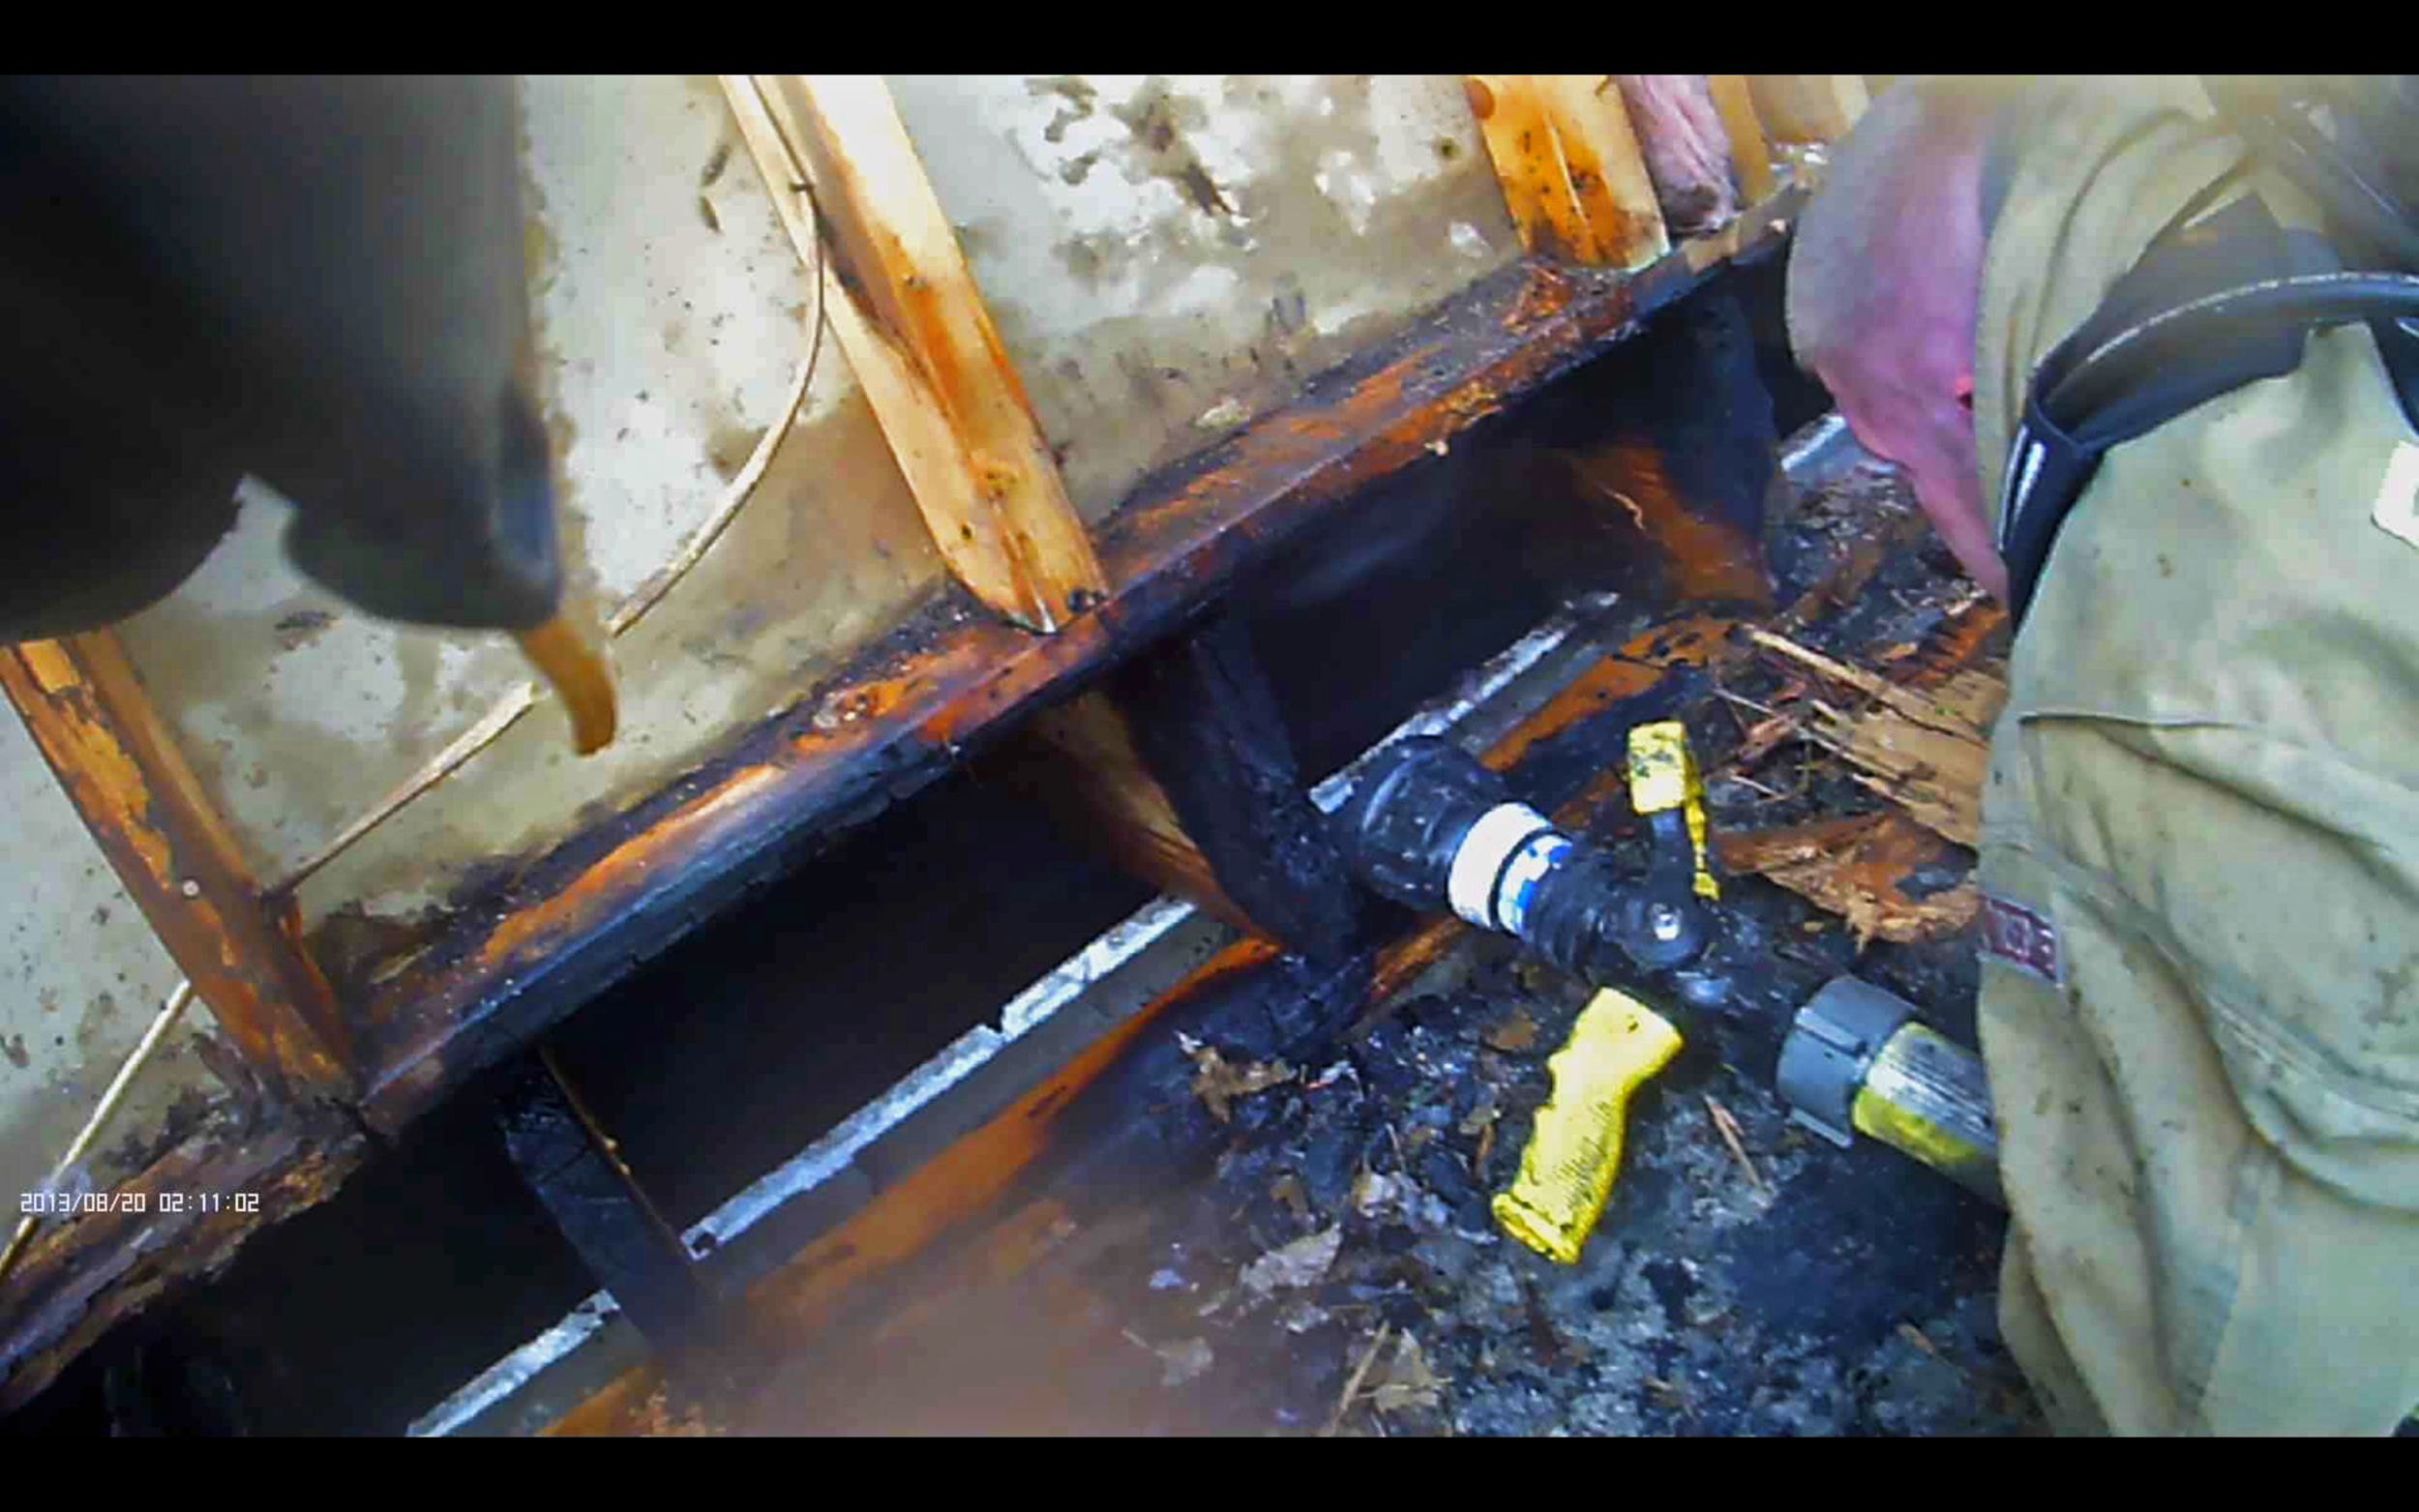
(2315, 301)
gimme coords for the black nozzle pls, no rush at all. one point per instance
(1430, 827)
(1407, 816)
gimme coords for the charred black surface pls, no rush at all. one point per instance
(634, 1255)
(1206, 722)
(1697, 393)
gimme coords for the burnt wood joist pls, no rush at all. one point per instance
(1181, 769)
(952, 679)
(574, 1167)
(1206, 722)
(181, 1219)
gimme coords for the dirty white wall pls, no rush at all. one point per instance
(1168, 256)
(1165, 257)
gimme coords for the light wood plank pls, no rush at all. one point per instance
(1751, 154)
(921, 342)
(121, 768)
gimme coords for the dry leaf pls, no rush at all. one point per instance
(1218, 1084)
(1853, 867)
(1406, 1382)
(1898, 652)
(1287, 1189)
(1920, 1338)
(1514, 1034)
(1304, 1263)
(1481, 1118)
(1352, 1387)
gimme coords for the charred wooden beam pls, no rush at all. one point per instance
(578, 920)
(1080, 762)
(920, 340)
(576, 1171)
(1574, 177)
(1206, 724)
(179, 1222)
(122, 769)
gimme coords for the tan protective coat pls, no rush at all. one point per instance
(2207, 780)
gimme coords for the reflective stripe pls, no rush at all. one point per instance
(1479, 864)
(2024, 460)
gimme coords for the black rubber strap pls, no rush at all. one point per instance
(2138, 385)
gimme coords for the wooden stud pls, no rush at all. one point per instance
(922, 344)
(1529, 166)
(1573, 177)
(1607, 167)
(122, 769)
(1751, 155)
(1809, 108)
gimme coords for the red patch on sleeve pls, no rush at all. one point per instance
(2017, 937)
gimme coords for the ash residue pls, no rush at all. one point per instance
(1852, 1294)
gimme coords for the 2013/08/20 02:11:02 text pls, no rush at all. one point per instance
(68, 1204)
